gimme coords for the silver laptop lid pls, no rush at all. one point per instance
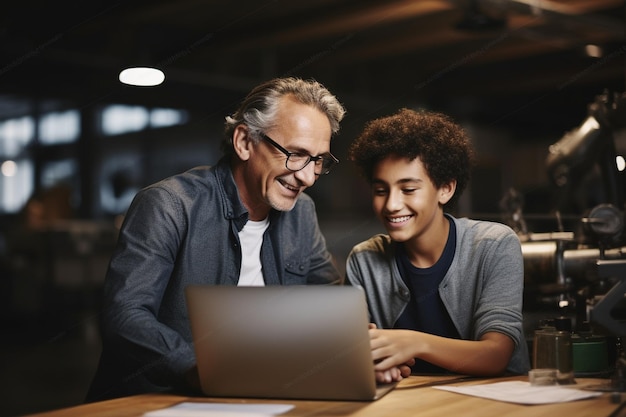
(308, 342)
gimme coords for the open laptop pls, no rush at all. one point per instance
(298, 342)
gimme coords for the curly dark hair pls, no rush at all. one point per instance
(442, 145)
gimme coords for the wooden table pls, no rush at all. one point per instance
(415, 396)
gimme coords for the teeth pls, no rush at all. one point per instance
(399, 219)
(289, 186)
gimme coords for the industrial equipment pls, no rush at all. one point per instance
(580, 273)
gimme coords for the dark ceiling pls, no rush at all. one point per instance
(513, 62)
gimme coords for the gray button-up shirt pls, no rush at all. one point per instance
(181, 231)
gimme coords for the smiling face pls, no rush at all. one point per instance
(263, 178)
(407, 202)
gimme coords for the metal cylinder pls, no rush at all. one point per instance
(542, 258)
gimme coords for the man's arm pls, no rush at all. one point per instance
(137, 278)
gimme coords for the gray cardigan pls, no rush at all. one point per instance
(482, 290)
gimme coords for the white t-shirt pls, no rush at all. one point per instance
(251, 238)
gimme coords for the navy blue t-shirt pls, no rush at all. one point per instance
(425, 311)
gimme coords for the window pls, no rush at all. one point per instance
(118, 119)
(119, 179)
(16, 184)
(55, 172)
(56, 128)
(16, 172)
(167, 117)
(15, 136)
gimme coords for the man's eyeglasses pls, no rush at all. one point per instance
(297, 161)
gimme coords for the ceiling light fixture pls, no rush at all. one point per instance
(594, 51)
(142, 76)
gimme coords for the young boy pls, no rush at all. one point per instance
(445, 294)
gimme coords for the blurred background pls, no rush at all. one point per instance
(76, 144)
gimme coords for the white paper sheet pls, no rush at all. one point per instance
(191, 409)
(521, 392)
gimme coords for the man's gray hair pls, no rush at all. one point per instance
(258, 110)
